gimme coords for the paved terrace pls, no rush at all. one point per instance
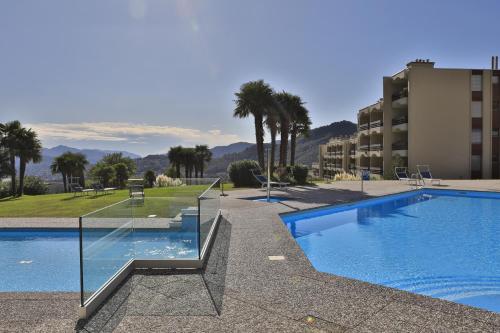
(242, 290)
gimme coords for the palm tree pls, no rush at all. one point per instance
(77, 165)
(203, 154)
(70, 164)
(4, 156)
(255, 98)
(300, 125)
(285, 109)
(29, 150)
(175, 158)
(60, 165)
(10, 141)
(188, 160)
(272, 117)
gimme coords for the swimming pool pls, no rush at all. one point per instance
(440, 243)
(48, 260)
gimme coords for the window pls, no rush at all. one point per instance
(477, 135)
(476, 83)
(495, 79)
(476, 163)
(476, 109)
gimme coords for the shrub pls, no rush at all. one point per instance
(165, 181)
(240, 172)
(34, 186)
(300, 173)
(149, 178)
(4, 189)
(346, 176)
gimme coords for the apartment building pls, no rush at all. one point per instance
(448, 118)
(338, 155)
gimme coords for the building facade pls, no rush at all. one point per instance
(338, 155)
(444, 117)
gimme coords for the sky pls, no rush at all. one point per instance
(144, 75)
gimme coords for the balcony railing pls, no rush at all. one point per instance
(400, 146)
(364, 147)
(376, 124)
(401, 94)
(363, 127)
(376, 146)
(399, 121)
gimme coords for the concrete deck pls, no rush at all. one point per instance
(242, 290)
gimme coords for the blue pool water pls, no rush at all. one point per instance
(48, 260)
(440, 243)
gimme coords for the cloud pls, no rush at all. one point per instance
(129, 132)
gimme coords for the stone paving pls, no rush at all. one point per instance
(241, 290)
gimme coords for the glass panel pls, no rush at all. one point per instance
(165, 227)
(477, 135)
(477, 111)
(476, 83)
(209, 208)
(106, 237)
(163, 224)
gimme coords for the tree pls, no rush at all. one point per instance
(203, 154)
(29, 150)
(272, 117)
(10, 142)
(300, 125)
(175, 158)
(149, 178)
(60, 165)
(71, 165)
(255, 98)
(4, 156)
(116, 158)
(188, 159)
(121, 174)
(287, 104)
(104, 172)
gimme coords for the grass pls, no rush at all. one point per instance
(67, 205)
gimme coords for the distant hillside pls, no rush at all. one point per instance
(42, 169)
(158, 163)
(93, 155)
(306, 151)
(237, 147)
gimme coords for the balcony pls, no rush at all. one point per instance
(400, 148)
(363, 127)
(364, 147)
(400, 124)
(400, 99)
(376, 123)
(376, 146)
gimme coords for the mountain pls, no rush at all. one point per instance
(219, 151)
(159, 162)
(222, 156)
(93, 155)
(42, 169)
(306, 152)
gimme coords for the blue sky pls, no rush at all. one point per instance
(142, 75)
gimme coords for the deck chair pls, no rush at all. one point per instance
(424, 171)
(402, 175)
(263, 180)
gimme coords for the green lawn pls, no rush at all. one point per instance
(67, 205)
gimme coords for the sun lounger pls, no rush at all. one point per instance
(78, 189)
(263, 181)
(424, 172)
(402, 175)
